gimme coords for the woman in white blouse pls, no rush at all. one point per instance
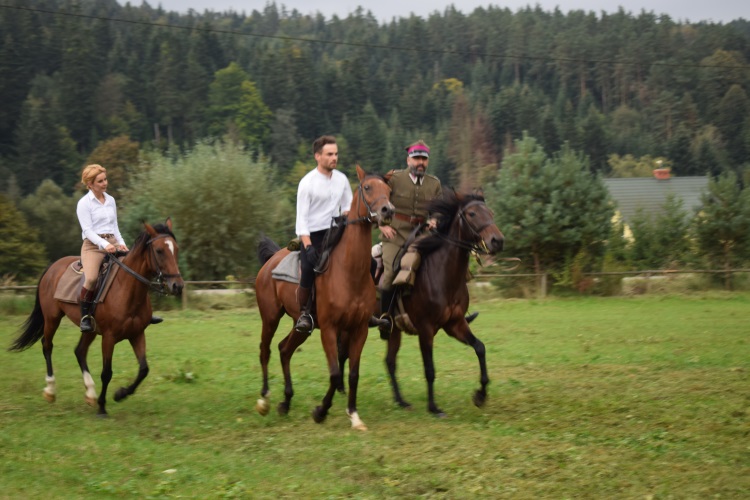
(97, 214)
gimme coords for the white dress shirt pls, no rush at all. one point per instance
(319, 199)
(98, 218)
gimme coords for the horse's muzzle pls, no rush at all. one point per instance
(495, 245)
(385, 214)
(175, 287)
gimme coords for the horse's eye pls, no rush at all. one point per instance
(160, 250)
(366, 187)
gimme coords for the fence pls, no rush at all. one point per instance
(541, 281)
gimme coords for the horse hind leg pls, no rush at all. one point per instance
(50, 389)
(286, 350)
(81, 352)
(262, 405)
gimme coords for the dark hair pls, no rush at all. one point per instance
(322, 141)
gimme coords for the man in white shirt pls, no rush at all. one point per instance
(323, 193)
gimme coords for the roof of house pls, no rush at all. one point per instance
(650, 193)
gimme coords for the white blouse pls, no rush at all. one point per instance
(98, 218)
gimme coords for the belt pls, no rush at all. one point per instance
(411, 220)
(105, 236)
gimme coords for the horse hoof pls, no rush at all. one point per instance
(479, 399)
(262, 406)
(404, 405)
(319, 415)
(359, 427)
(121, 394)
(51, 398)
(283, 409)
(102, 415)
(90, 401)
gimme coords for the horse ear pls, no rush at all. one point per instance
(149, 229)
(360, 173)
(168, 223)
(479, 192)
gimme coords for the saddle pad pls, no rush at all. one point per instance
(70, 283)
(287, 269)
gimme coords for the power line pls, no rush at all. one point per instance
(368, 45)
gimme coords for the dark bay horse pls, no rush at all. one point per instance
(124, 314)
(440, 297)
(345, 299)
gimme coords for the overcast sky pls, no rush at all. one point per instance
(679, 10)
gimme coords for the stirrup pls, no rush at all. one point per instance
(90, 323)
(299, 328)
(386, 326)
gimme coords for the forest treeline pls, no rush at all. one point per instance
(138, 89)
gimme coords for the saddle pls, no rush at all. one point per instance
(69, 286)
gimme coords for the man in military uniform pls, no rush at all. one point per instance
(412, 189)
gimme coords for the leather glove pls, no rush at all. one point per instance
(311, 255)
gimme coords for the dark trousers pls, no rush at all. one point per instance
(307, 268)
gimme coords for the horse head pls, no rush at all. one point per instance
(163, 255)
(375, 193)
(478, 222)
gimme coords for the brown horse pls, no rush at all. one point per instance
(440, 297)
(124, 314)
(345, 298)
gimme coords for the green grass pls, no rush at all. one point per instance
(641, 397)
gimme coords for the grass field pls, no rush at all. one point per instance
(643, 397)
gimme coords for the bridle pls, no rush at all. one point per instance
(158, 284)
(372, 215)
(476, 242)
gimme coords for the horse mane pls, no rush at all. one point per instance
(443, 209)
(140, 242)
(336, 231)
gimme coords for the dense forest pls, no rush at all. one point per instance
(134, 87)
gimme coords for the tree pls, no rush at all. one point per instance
(21, 254)
(119, 156)
(550, 209)
(53, 213)
(219, 200)
(660, 240)
(722, 226)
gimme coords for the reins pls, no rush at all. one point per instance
(477, 244)
(158, 284)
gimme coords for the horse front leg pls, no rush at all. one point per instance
(328, 339)
(394, 344)
(139, 348)
(463, 334)
(81, 352)
(425, 346)
(356, 344)
(108, 349)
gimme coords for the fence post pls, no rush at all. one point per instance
(542, 290)
(184, 297)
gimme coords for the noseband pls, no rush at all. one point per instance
(157, 286)
(476, 242)
(371, 214)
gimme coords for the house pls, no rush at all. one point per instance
(650, 193)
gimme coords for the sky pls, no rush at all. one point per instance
(722, 11)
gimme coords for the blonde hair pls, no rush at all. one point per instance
(90, 172)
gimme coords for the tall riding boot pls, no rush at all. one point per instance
(386, 297)
(86, 325)
(305, 321)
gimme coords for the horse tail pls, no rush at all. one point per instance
(33, 328)
(266, 249)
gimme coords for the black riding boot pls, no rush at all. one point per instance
(386, 297)
(86, 325)
(304, 322)
(155, 320)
